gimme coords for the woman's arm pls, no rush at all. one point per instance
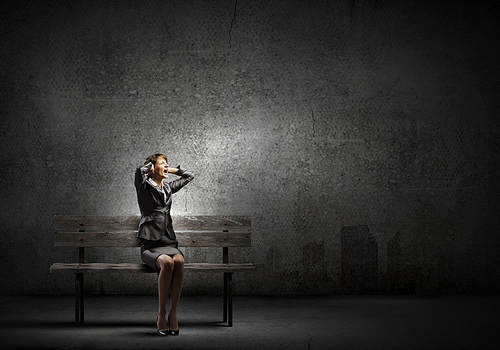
(141, 176)
(186, 177)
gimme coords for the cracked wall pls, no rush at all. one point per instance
(324, 120)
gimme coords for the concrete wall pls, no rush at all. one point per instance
(360, 135)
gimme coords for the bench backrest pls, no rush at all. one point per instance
(121, 231)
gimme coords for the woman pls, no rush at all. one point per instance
(159, 248)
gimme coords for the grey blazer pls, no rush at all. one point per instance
(155, 203)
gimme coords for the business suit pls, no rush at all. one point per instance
(155, 227)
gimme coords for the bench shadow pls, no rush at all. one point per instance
(149, 327)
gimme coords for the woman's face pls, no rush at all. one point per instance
(161, 168)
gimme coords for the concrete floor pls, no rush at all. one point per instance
(274, 322)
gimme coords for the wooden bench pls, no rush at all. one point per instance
(120, 231)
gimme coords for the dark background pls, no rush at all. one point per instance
(361, 136)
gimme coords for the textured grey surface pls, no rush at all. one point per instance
(311, 116)
(261, 322)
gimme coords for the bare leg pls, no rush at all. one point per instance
(166, 266)
(176, 287)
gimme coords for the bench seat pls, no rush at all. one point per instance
(143, 268)
(83, 232)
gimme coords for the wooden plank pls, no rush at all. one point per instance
(143, 268)
(77, 223)
(234, 238)
(211, 223)
(228, 268)
(96, 239)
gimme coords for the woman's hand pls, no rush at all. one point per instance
(152, 170)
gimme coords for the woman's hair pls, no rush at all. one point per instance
(155, 157)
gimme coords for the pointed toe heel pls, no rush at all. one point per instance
(171, 332)
(162, 333)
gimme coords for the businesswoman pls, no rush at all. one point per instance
(159, 247)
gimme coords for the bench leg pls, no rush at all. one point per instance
(228, 299)
(224, 306)
(79, 298)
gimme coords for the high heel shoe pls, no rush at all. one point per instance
(172, 332)
(162, 333)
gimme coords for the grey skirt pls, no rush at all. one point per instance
(151, 250)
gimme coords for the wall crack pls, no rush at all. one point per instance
(313, 121)
(232, 21)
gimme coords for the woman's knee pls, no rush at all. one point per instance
(164, 262)
(178, 260)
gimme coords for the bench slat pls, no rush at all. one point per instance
(233, 238)
(143, 268)
(88, 223)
